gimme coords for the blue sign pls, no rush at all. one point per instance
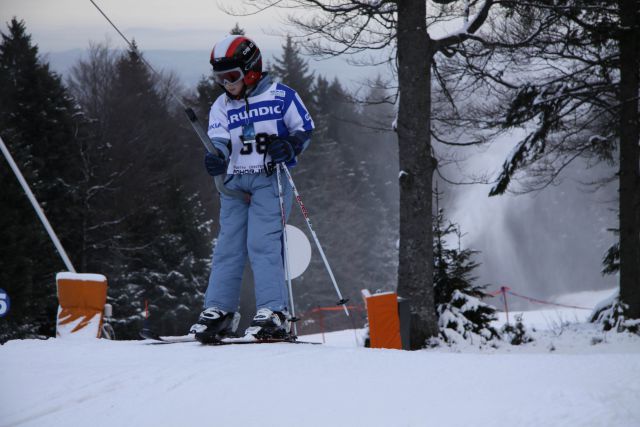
(5, 303)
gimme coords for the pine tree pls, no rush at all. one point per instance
(381, 142)
(207, 91)
(237, 31)
(611, 260)
(37, 124)
(174, 290)
(90, 82)
(292, 70)
(323, 109)
(160, 249)
(462, 316)
(341, 113)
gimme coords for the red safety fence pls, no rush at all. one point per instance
(336, 308)
(323, 319)
(504, 290)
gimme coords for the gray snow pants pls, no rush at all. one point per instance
(253, 229)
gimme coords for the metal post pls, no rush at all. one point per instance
(503, 289)
(36, 207)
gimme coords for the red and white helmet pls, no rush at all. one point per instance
(236, 57)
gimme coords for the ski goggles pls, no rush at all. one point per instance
(228, 77)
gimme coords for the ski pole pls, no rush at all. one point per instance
(305, 214)
(286, 247)
(219, 179)
(191, 115)
(36, 207)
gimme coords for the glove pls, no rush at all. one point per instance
(215, 164)
(281, 150)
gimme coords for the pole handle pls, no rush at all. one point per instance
(208, 145)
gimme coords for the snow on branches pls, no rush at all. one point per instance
(462, 316)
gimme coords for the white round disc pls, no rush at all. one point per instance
(299, 251)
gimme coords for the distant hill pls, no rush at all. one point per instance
(193, 64)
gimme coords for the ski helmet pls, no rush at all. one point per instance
(236, 57)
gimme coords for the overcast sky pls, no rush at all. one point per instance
(58, 25)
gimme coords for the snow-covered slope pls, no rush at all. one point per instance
(102, 383)
(572, 375)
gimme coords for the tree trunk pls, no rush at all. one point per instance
(629, 159)
(415, 270)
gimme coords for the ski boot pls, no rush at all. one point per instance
(267, 324)
(215, 324)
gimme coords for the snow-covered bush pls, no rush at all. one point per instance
(610, 314)
(466, 318)
(462, 314)
(517, 334)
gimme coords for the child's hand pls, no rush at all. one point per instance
(215, 164)
(280, 150)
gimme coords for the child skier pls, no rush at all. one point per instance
(251, 106)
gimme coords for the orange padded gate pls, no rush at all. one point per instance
(384, 321)
(82, 298)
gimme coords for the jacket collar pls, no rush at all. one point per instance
(262, 86)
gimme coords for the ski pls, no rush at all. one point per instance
(254, 340)
(152, 337)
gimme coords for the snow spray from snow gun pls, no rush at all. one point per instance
(191, 116)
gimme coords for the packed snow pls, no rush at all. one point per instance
(572, 375)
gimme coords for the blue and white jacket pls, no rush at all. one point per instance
(273, 108)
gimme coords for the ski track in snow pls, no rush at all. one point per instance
(128, 383)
